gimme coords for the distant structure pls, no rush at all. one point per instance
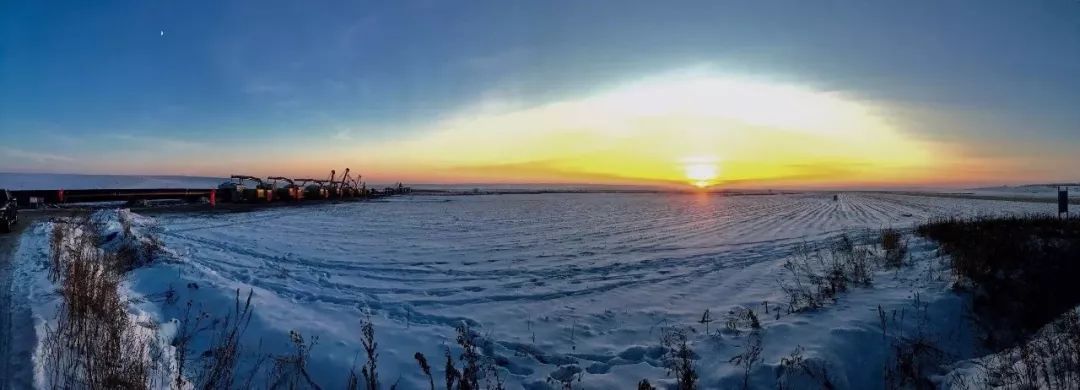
(1063, 200)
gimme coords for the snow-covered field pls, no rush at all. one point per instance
(584, 281)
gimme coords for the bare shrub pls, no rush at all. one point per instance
(818, 275)
(189, 327)
(58, 252)
(422, 361)
(679, 358)
(290, 370)
(94, 343)
(645, 385)
(890, 239)
(370, 371)
(803, 284)
(475, 366)
(1050, 359)
(217, 366)
(134, 251)
(750, 356)
(453, 376)
(914, 357)
(796, 366)
(852, 262)
(741, 318)
(892, 242)
(565, 376)
(1013, 263)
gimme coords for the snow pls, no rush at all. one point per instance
(34, 292)
(550, 280)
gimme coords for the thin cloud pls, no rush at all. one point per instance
(159, 142)
(343, 135)
(37, 157)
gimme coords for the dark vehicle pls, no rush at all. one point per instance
(8, 211)
(236, 191)
(313, 191)
(289, 191)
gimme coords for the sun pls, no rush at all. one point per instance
(701, 172)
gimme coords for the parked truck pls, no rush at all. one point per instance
(288, 191)
(237, 191)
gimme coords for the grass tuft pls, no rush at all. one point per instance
(1023, 269)
(95, 343)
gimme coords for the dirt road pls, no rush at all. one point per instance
(15, 363)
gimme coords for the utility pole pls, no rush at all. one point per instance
(1063, 201)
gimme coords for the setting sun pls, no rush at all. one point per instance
(643, 130)
(701, 172)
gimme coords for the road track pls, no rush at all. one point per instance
(15, 360)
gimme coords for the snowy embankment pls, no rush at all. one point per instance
(558, 287)
(69, 272)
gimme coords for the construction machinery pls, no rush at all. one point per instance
(348, 188)
(398, 189)
(316, 190)
(232, 191)
(333, 187)
(356, 187)
(236, 191)
(289, 191)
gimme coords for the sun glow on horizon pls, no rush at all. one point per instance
(701, 172)
(642, 132)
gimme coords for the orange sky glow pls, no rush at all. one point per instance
(686, 129)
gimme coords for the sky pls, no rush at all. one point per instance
(682, 93)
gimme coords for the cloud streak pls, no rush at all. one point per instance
(36, 157)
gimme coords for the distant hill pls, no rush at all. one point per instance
(1030, 190)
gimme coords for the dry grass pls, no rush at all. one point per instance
(94, 343)
(1023, 269)
(217, 366)
(914, 356)
(817, 275)
(892, 242)
(795, 367)
(474, 365)
(290, 370)
(679, 358)
(1050, 359)
(370, 371)
(750, 355)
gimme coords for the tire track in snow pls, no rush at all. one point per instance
(567, 258)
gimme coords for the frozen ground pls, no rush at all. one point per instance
(573, 280)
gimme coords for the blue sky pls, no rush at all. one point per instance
(98, 80)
